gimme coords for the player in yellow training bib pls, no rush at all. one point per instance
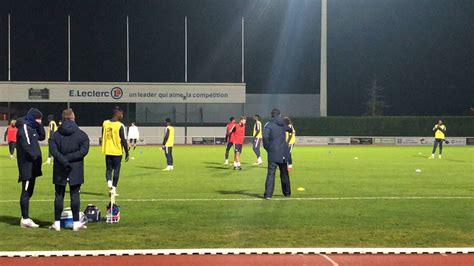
(168, 142)
(290, 137)
(439, 133)
(52, 127)
(257, 138)
(114, 145)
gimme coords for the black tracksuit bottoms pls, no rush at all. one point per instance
(27, 189)
(113, 164)
(59, 201)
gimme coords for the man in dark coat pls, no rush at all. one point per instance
(68, 146)
(275, 144)
(30, 132)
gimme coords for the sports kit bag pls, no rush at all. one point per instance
(113, 214)
(92, 213)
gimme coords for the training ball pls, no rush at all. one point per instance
(300, 189)
(419, 153)
(355, 158)
(418, 170)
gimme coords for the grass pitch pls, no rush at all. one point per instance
(377, 200)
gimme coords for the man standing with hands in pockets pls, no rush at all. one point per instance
(275, 144)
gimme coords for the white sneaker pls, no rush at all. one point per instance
(79, 228)
(439, 156)
(11, 156)
(48, 161)
(113, 191)
(431, 157)
(226, 162)
(28, 223)
(168, 168)
(53, 227)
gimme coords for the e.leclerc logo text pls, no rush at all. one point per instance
(116, 93)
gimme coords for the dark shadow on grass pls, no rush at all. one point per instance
(93, 193)
(148, 167)
(213, 163)
(15, 221)
(240, 192)
(218, 167)
(223, 165)
(420, 156)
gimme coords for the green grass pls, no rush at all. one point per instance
(324, 172)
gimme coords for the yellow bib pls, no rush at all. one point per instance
(259, 135)
(293, 136)
(111, 141)
(52, 127)
(439, 134)
(170, 141)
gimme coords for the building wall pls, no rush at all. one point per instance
(293, 105)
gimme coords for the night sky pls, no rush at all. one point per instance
(420, 51)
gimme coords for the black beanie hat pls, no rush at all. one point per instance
(35, 113)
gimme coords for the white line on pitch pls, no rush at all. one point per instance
(260, 199)
(329, 259)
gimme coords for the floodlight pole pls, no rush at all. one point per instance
(324, 62)
(243, 51)
(243, 57)
(68, 53)
(185, 77)
(9, 49)
(185, 49)
(128, 52)
(68, 48)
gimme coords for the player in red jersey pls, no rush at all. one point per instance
(10, 137)
(228, 134)
(237, 138)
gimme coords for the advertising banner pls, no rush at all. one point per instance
(362, 141)
(339, 140)
(457, 141)
(413, 141)
(470, 141)
(205, 141)
(385, 141)
(306, 140)
(122, 92)
(220, 141)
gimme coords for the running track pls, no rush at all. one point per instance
(366, 257)
(330, 260)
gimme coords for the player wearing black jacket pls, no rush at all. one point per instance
(30, 132)
(68, 145)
